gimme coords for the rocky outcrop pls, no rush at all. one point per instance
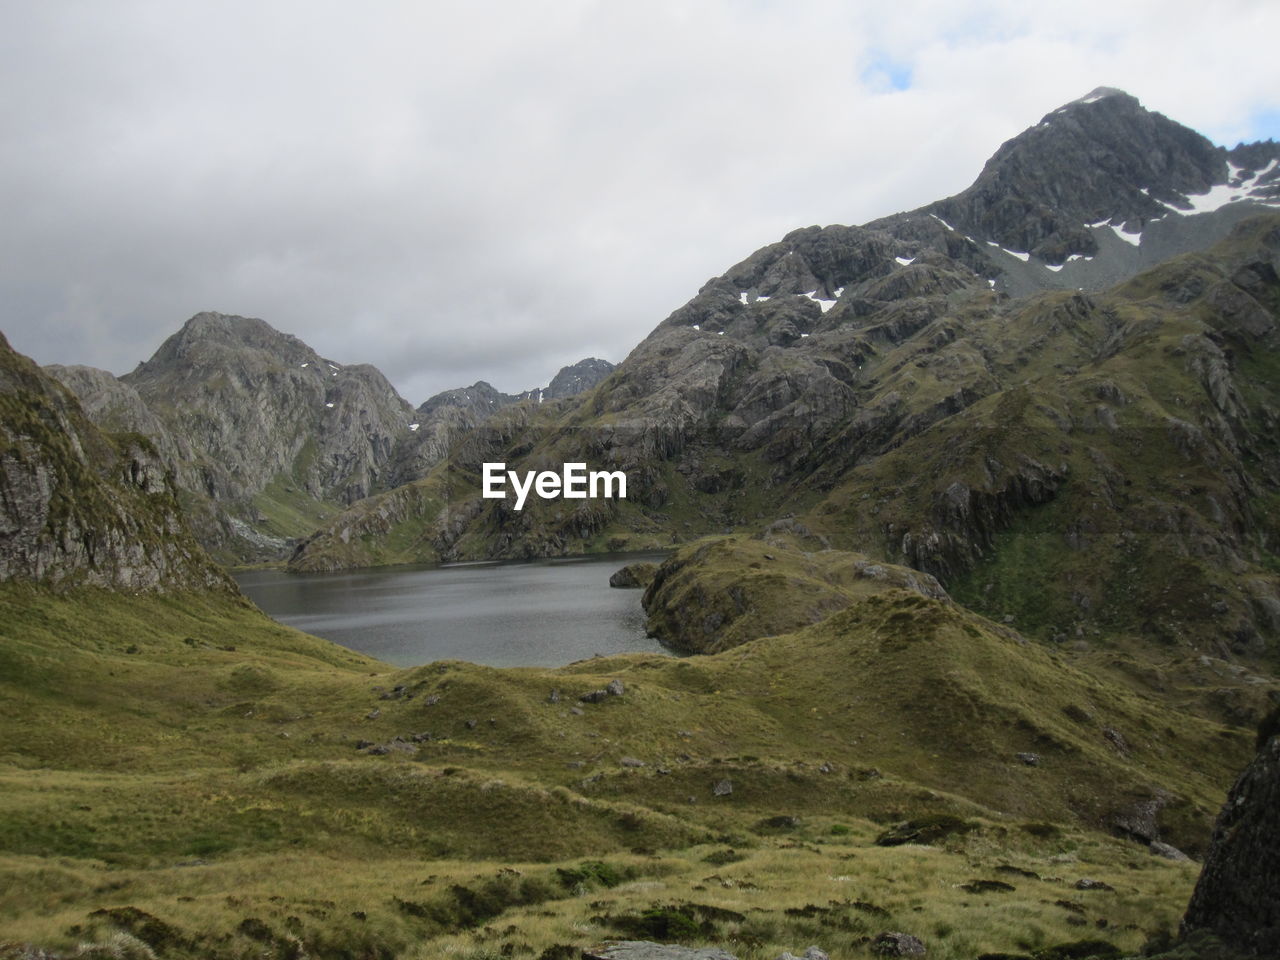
(1235, 897)
(82, 508)
(634, 575)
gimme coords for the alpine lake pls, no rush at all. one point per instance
(543, 613)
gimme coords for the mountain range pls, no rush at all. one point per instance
(972, 514)
(267, 439)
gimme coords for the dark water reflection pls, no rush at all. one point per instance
(542, 613)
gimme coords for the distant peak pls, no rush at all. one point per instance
(1095, 95)
(1099, 93)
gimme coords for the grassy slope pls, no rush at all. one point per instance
(136, 741)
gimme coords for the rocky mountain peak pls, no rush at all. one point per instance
(577, 378)
(209, 333)
(1102, 159)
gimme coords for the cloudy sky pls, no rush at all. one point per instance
(492, 189)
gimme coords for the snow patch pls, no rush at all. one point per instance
(329, 405)
(943, 222)
(1238, 187)
(742, 298)
(1024, 257)
(823, 305)
(1055, 269)
(414, 426)
(905, 261)
(991, 284)
(697, 327)
(720, 332)
(1133, 238)
(803, 335)
(305, 365)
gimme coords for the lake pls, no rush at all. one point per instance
(540, 613)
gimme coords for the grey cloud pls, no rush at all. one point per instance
(454, 192)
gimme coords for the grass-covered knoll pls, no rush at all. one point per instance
(722, 591)
(184, 747)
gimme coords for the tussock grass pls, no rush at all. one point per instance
(185, 761)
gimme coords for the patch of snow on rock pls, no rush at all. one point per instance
(1133, 238)
(823, 305)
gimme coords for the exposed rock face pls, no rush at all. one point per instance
(78, 507)
(251, 405)
(1235, 898)
(115, 406)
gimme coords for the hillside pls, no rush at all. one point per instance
(211, 782)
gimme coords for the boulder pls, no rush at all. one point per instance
(893, 944)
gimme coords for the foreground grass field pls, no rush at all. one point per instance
(185, 773)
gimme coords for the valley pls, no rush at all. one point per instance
(963, 527)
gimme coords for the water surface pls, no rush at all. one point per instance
(541, 613)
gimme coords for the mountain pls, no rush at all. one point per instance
(1087, 463)
(442, 421)
(267, 439)
(1097, 190)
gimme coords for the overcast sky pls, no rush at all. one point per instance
(466, 190)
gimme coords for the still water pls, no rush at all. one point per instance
(543, 613)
